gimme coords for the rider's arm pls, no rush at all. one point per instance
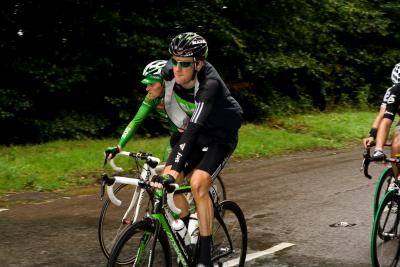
(374, 128)
(392, 105)
(205, 100)
(383, 132)
(379, 117)
(375, 125)
(142, 113)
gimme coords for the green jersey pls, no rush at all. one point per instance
(147, 106)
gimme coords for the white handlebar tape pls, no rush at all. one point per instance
(170, 201)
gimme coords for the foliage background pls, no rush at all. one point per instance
(71, 69)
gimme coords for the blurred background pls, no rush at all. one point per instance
(71, 69)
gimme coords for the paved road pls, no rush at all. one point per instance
(292, 198)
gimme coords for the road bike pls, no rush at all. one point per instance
(136, 202)
(149, 242)
(385, 238)
(385, 178)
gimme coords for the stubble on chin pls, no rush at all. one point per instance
(179, 80)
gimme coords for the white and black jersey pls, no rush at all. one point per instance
(392, 101)
(386, 97)
(216, 118)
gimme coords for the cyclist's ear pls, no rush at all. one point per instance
(199, 64)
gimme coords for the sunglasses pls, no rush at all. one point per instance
(182, 64)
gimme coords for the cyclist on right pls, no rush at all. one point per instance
(392, 99)
(374, 128)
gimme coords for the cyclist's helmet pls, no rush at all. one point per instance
(189, 44)
(396, 73)
(152, 72)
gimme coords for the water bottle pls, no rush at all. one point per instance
(193, 228)
(179, 226)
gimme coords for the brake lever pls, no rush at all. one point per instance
(103, 181)
(365, 163)
(103, 185)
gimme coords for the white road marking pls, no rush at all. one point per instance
(255, 255)
(3, 210)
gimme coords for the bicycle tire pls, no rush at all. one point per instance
(127, 246)
(385, 232)
(229, 224)
(110, 221)
(221, 191)
(382, 187)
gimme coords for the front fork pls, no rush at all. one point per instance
(148, 236)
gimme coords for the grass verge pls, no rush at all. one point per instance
(63, 165)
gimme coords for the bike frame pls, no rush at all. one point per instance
(161, 221)
(146, 173)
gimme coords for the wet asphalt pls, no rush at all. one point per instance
(292, 198)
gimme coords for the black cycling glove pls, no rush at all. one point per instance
(165, 180)
(113, 150)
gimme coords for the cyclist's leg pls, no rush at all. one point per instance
(208, 168)
(180, 199)
(201, 182)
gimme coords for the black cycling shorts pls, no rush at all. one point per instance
(206, 155)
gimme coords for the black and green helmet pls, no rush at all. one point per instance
(189, 44)
(152, 72)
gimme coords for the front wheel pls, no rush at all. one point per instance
(382, 186)
(229, 234)
(136, 245)
(386, 233)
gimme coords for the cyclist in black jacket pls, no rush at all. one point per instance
(211, 134)
(375, 124)
(392, 107)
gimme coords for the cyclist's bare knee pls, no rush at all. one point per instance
(200, 182)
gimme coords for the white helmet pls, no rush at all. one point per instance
(396, 73)
(152, 72)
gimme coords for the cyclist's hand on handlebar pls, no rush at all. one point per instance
(111, 151)
(378, 155)
(368, 142)
(161, 181)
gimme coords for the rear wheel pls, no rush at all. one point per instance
(112, 222)
(219, 187)
(136, 243)
(229, 234)
(385, 233)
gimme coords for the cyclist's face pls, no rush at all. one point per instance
(183, 70)
(154, 90)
